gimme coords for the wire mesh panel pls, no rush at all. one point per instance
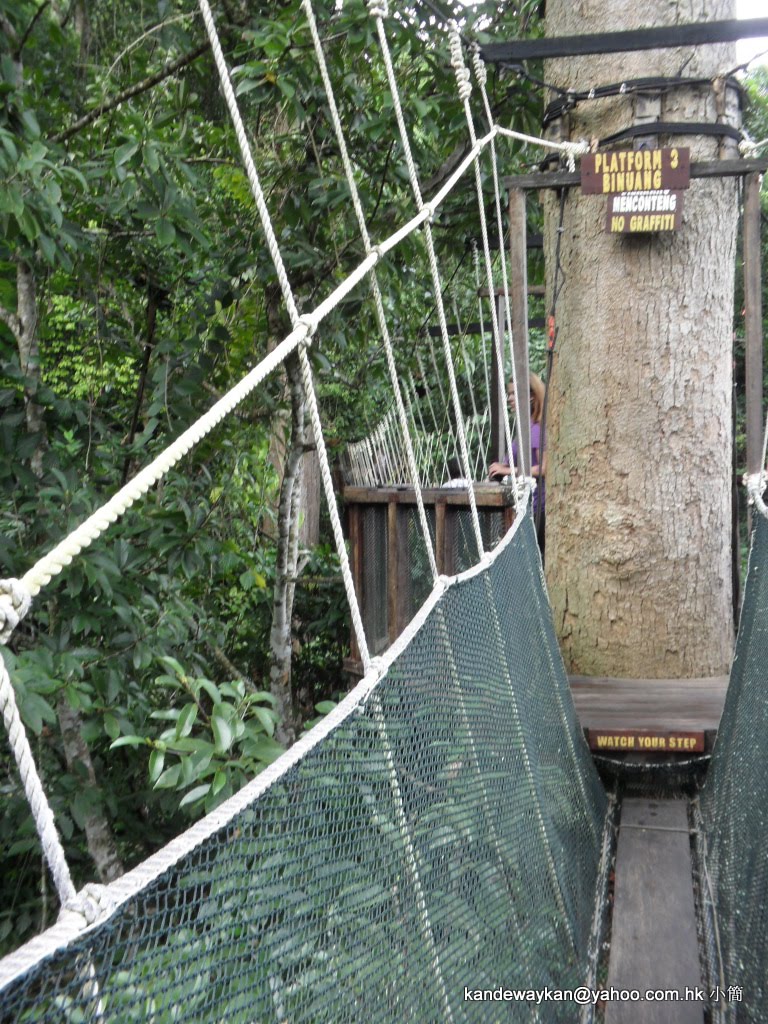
(419, 574)
(443, 833)
(734, 806)
(465, 546)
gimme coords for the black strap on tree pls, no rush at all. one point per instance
(552, 331)
(656, 84)
(636, 131)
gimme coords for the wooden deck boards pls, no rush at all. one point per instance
(653, 704)
(653, 941)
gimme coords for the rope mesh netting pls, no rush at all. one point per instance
(444, 832)
(734, 807)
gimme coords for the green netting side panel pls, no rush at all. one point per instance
(734, 802)
(446, 834)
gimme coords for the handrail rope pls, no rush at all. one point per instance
(481, 75)
(34, 792)
(247, 156)
(378, 301)
(465, 88)
(285, 287)
(748, 148)
(379, 10)
(570, 149)
(16, 595)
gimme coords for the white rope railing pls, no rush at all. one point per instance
(311, 324)
(378, 10)
(16, 595)
(481, 75)
(378, 301)
(465, 88)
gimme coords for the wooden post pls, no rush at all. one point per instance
(356, 560)
(753, 326)
(440, 535)
(519, 296)
(498, 397)
(394, 561)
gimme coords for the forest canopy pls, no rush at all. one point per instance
(154, 676)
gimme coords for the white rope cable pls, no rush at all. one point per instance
(481, 75)
(33, 790)
(310, 322)
(748, 148)
(378, 301)
(69, 928)
(16, 595)
(250, 167)
(62, 554)
(571, 149)
(465, 89)
(378, 10)
(756, 483)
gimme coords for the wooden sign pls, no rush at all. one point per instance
(634, 213)
(635, 170)
(642, 741)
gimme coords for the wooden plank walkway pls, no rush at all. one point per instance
(655, 705)
(654, 943)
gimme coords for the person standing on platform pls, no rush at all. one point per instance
(498, 470)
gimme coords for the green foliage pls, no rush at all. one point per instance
(220, 736)
(154, 293)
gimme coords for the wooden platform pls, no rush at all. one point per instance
(663, 707)
(654, 944)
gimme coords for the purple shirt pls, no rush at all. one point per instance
(539, 496)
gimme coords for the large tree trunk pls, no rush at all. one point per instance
(639, 427)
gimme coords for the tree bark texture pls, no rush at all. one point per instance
(281, 639)
(29, 356)
(639, 424)
(98, 832)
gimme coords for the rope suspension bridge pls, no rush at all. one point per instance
(444, 828)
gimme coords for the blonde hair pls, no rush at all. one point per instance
(537, 397)
(536, 386)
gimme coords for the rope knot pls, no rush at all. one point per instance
(574, 149)
(92, 903)
(310, 323)
(15, 602)
(457, 63)
(378, 8)
(481, 72)
(755, 483)
(376, 665)
(747, 147)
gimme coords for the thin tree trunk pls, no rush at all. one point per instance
(98, 833)
(29, 357)
(24, 326)
(153, 302)
(311, 494)
(638, 482)
(281, 640)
